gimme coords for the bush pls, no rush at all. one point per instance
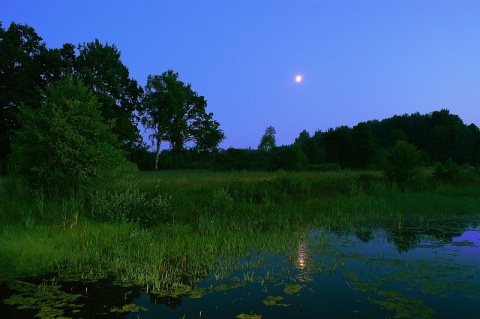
(447, 170)
(290, 158)
(64, 145)
(130, 205)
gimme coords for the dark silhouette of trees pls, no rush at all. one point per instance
(23, 74)
(100, 67)
(363, 148)
(338, 145)
(177, 115)
(27, 67)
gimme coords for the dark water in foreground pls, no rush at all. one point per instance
(429, 272)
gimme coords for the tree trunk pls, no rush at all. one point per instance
(159, 142)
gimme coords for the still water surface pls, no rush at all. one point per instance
(429, 272)
(406, 272)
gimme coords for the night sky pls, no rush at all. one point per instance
(360, 60)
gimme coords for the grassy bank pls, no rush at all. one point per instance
(167, 227)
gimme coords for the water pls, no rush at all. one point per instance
(428, 272)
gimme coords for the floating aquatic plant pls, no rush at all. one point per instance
(292, 289)
(274, 301)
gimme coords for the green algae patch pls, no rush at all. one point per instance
(176, 291)
(292, 289)
(402, 306)
(47, 300)
(274, 301)
(197, 293)
(245, 316)
(223, 287)
(128, 308)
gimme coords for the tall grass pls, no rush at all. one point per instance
(168, 227)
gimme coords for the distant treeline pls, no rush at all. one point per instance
(439, 136)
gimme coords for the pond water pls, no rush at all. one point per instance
(427, 272)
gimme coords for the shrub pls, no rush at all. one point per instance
(289, 158)
(130, 205)
(447, 170)
(64, 144)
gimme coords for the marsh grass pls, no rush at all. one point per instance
(166, 228)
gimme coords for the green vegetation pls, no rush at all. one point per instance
(146, 225)
(73, 207)
(178, 115)
(64, 145)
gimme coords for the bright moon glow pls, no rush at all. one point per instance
(298, 78)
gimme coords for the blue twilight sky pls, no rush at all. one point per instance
(360, 60)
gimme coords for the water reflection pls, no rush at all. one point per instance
(432, 271)
(413, 272)
(303, 264)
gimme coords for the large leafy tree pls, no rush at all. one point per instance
(177, 114)
(100, 67)
(64, 144)
(24, 62)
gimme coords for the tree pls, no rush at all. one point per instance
(177, 115)
(64, 144)
(289, 158)
(22, 76)
(100, 67)
(362, 145)
(338, 145)
(267, 142)
(402, 162)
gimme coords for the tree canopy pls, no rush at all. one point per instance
(23, 74)
(100, 67)
(177, 115)
(64, 144)
(27, 67)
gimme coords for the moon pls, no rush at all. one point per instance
(298, 78)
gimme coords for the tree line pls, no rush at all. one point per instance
(437, 137)
(67, 114)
